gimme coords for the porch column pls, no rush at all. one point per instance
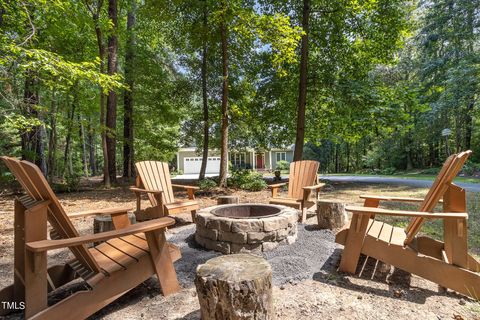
(253, 161)
(270, 159)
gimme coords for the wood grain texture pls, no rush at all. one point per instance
(153, 178)
(445, 263)
(302, 180)
(110, 269)
(235, 287)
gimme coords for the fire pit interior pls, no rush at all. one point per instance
(247, 211)
(234, 228)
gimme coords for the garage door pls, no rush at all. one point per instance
(193, 164)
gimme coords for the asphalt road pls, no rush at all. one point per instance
(472, 187)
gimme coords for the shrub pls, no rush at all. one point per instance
(6, 179)
(470, 168)
(247, 180)
(434, 171)
(388, 171)
(283, 165)
(176, 173)
(206, 184)
(365, 171)
(72, 182)
(254, 185)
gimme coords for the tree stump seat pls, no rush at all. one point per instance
(331, 214)
(235, 287)
(103, 223)
(227, 200)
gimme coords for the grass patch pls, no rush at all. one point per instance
(414, 176)
(350, 192)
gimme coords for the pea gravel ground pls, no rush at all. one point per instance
(311, 253)
(306, 285)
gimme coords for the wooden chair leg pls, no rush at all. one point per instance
(353, 243)
(303, 218)
(194, 215)
(455, 230)
(355, 237)
(35, 276)
(19, 252)
(162, 261)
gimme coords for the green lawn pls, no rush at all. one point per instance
(416, 176)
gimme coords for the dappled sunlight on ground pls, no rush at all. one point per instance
(327, 295)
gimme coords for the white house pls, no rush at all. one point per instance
(189, 159)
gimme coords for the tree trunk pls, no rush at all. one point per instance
(33, 148)
(101, 54)
(111, 114)
(52, 139)
(40, 148)
(84, 146)
(348, 158)
(66, 166)
(469, 125)
(128, 151)
(302, 88)
(203, 168)
(337, 159)
(91, 149)
(222, 183)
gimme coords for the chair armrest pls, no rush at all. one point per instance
(135, 189)
(399, 199)
(185, 187)
(277, 185)
(45, 245)
(315, 187)
(96, 212)
(400, 213)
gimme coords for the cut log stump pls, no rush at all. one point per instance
(227, 199)
(104, 223)
(235, 287)
(331, 214)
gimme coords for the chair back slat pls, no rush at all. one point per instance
(155, 175)
(449, 171)
(37, 187)
(302, 174)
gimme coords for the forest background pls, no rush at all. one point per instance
(88, 87)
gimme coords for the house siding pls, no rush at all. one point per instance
(288, 156)
(188, 154)
(248, 157)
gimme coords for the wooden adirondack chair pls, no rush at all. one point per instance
(153, 178)
(302, 181)
(445, 263)
(130, 255)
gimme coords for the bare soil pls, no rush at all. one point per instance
(376, 294)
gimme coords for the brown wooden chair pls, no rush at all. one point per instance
(129, 255)
(302, 181)
(446, 263)
(153, 178)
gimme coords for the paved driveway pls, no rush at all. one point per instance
(472, 187)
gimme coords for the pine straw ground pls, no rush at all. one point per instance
(328, 295)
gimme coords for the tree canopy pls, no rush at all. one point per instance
(84, 82)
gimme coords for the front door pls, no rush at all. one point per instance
(260, 161)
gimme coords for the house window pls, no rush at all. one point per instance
(237, 159)
(281, 156)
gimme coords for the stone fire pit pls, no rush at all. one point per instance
(235, 228)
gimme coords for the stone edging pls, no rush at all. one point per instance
(229, 235)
